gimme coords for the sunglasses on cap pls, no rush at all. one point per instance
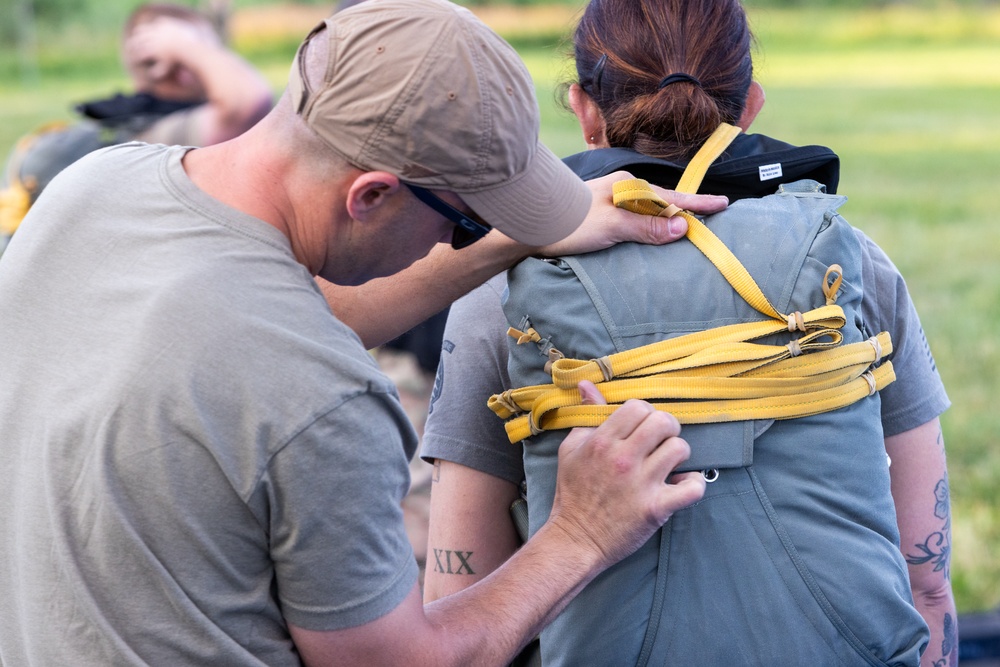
(467, 231)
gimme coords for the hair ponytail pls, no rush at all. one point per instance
(664, 123)
(664, 73)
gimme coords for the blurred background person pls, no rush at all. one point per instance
(189, 89)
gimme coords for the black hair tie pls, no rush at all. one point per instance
(598, 73)
(677, 78)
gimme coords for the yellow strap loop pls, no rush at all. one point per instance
(830, 288)
(529, 336)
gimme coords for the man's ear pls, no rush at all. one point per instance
(369, 191)
(589, 116)
(753, 105)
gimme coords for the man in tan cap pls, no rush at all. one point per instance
(202, 464)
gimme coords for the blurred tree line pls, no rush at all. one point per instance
(21, 17)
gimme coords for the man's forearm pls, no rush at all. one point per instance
(384, 308)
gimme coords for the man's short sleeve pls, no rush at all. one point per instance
(341, 554)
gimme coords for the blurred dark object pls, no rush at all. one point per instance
(123, 110)
(979, 639)
(423, 341)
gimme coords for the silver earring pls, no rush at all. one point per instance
(591, 138)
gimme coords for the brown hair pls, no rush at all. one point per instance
(627, 50)
(153, 10)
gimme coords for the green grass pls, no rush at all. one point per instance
(908, 97)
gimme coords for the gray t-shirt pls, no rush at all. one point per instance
(179, 128)
(195, 449)
(461, 429)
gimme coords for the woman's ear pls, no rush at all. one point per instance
(752, 107)
(589, 116)
(369, 191)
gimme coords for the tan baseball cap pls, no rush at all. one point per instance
(424, 90)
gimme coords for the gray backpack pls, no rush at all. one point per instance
(792, 556)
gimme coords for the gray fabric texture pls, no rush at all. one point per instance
(195, 449)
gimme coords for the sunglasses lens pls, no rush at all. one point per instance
(462, 237)
(467, 231)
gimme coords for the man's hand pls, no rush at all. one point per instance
(607, 224)
(156, 49)
(612, 489)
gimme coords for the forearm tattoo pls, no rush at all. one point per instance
(949, 645)
(936, 550)
(452, 562)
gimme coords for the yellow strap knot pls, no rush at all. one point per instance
(604, 363)
(878, 348)
(554, 356)
(830, 288)
(506, 401)
(795, 322)
(640, 198)
(870, 379)
(529, 336)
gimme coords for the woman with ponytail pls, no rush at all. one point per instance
(822, 540)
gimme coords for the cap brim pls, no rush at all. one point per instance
(545, 204)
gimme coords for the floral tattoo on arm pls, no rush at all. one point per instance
(936, 548)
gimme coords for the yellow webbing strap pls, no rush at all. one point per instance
(714, 375)
(713, 411)
(716, 379)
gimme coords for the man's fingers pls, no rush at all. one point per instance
(669, 453)
(683, 490)
(589, 394)
(656, 428)
(690, 202)
(666, 230)
(636, 421)
(618, 427)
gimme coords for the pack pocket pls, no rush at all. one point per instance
(735, 592)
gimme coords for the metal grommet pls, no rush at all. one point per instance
(710, 475)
